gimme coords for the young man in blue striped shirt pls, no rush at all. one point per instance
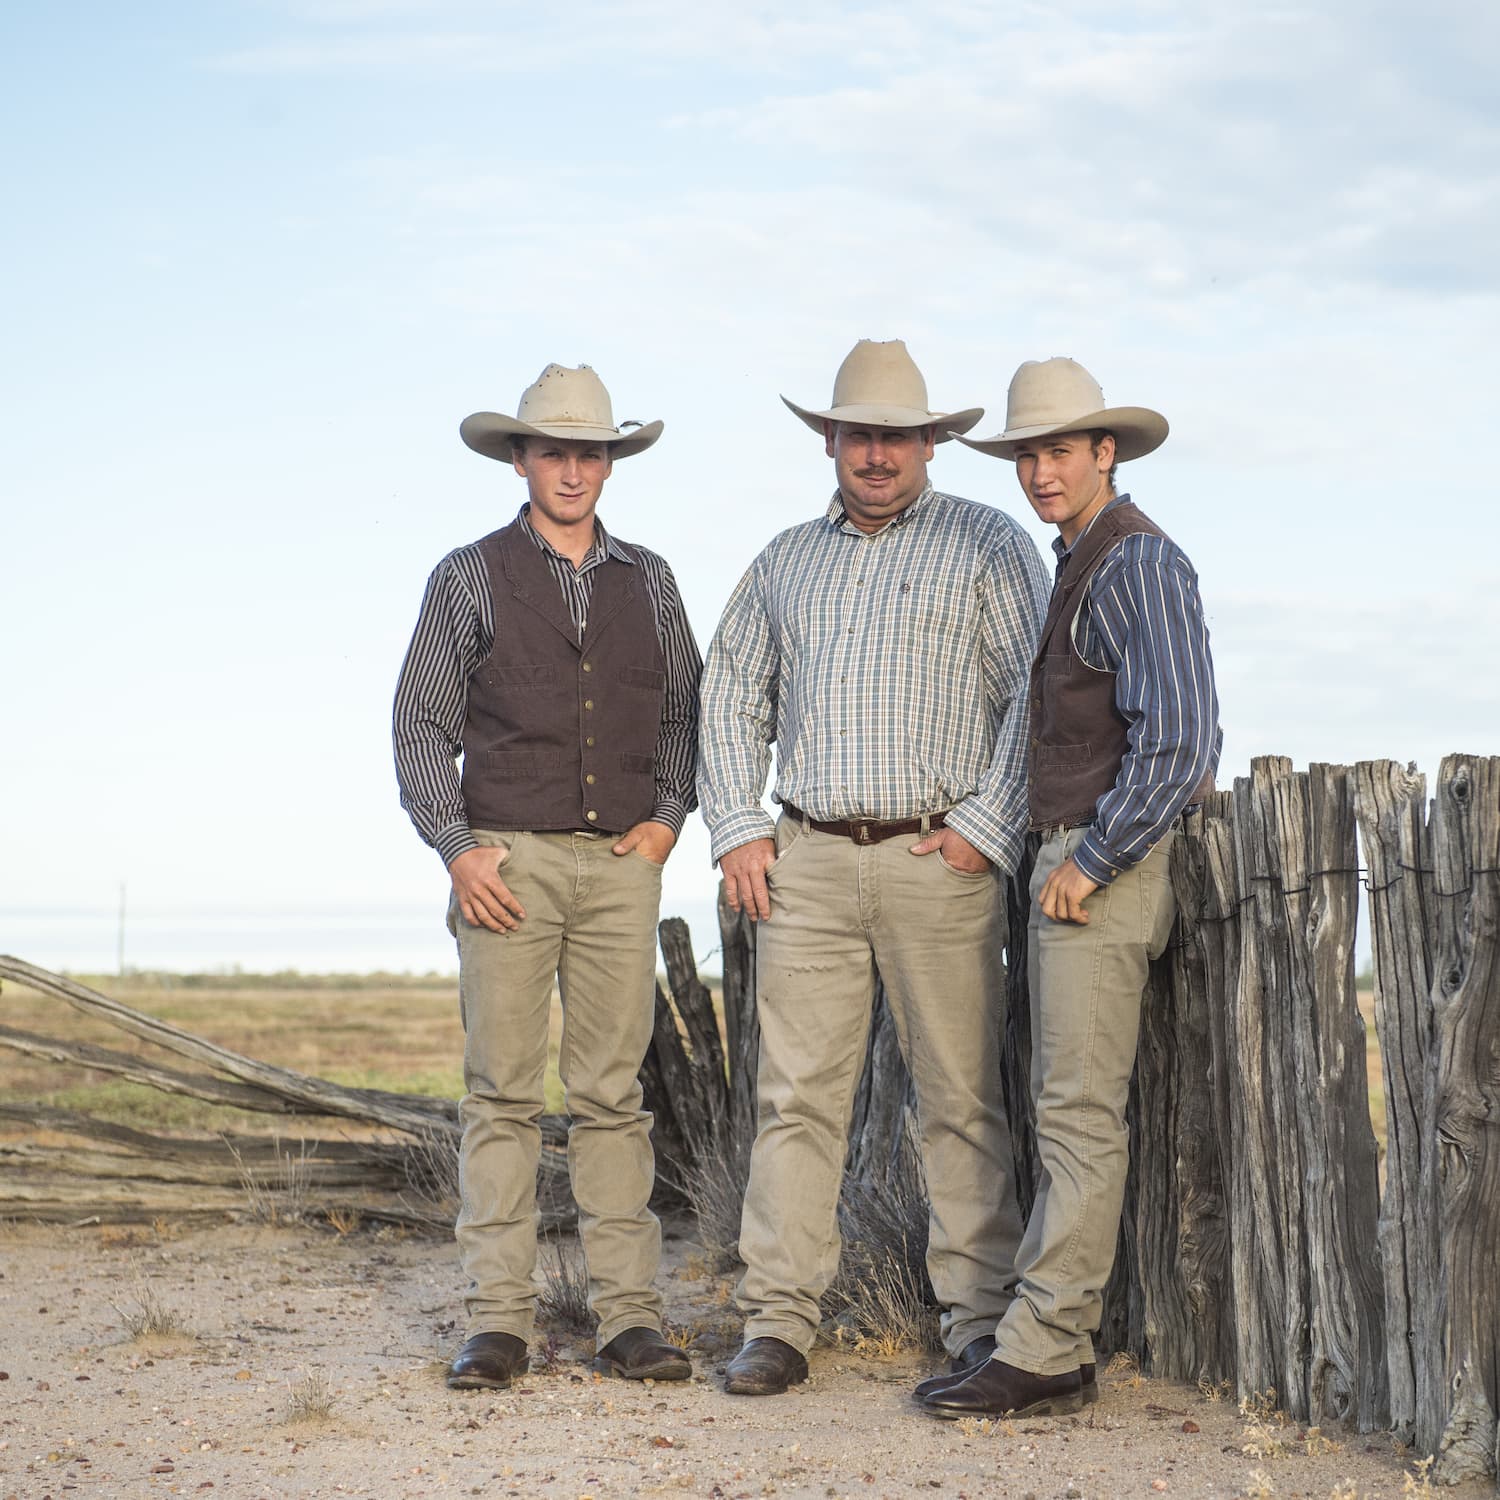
(883, 648)
(1124, 737)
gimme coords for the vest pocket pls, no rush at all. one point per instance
(641, 765)
(644, 677)
(542, 675)
(507, 763)
(1063, 756)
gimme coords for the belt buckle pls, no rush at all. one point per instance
(860, 829)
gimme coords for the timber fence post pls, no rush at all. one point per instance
(1460, 1186)
(1391, 806)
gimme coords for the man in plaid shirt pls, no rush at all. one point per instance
(884, 649)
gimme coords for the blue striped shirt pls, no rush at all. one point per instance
(889, 669)
(1143, 619)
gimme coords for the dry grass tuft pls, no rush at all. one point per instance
(277, 1195)
(431, 1169)
(1125, 1370)
(150, 1317)
(343, 1221)
(714, 1186)
(1214, 1392)
(882, 1298)
(564, 1297)
(310, 1401)
(1315, 1444)
(1259, 1486)
(1419, 1482)
(1264, 1436)
(680, 1335)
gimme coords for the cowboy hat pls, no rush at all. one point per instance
(879, 385)
(1059, 395)
(563, 403)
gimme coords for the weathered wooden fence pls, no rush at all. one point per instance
(1257, 1247)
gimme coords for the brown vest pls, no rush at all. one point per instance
(1078, 736)
(561, 735)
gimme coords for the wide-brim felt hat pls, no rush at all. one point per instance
(1047, 396)
(879, 385)
(561, 403)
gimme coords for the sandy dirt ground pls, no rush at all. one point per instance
(274, 1319)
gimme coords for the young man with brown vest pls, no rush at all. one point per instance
(558, 662)
(1124, 737)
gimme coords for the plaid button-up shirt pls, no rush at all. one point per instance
(890, 671)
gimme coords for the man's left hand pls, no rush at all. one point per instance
(1063, 893)
(954, 848)
(651, 840)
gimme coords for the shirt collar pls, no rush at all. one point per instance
(604, 544)
(838, 516)
(1063, 550)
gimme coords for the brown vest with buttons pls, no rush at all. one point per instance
(559, 734)
(1078, 736)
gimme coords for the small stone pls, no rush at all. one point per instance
(1191, 1426)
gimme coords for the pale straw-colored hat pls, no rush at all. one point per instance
(881, 386)
(563, 403)
(1059, 395)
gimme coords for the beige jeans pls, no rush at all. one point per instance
(591, 922)
(839, 911)
(1086, 984)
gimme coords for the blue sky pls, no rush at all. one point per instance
(262, 258)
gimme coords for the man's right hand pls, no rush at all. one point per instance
(483, 898)
(744, 871)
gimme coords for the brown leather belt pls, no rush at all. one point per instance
(866, 830)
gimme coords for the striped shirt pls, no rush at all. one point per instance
(1143, 619)
(456, 632)
(890, 671)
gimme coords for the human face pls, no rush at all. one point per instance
(881, 470)
(564, 478)
(1065, 479)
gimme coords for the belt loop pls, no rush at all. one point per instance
(806, 823)
(926, 824)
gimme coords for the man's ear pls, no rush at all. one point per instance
(1105, 453)
(830, 431)
(518, 458)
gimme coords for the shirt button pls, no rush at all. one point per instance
(592, 816)
(589, 740)
(588, 666)
(589, 778)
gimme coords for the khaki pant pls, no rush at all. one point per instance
(591, 922)
(839, 911)
(1086, 984)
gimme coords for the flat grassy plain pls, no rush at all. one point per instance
(377, 1031)
(369, 1031)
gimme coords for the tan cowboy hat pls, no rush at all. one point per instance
(563, 403)
(880, 384)
(1059, 395)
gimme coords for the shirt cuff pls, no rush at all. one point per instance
(998, 843)
(739, 828)
(673, 812)
(453, 841)
(1097, 860)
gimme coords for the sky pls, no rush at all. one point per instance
(260, 259)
